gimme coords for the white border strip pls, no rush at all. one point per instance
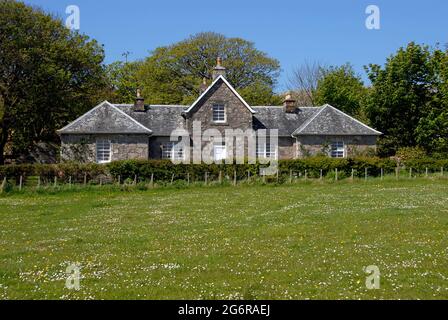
(211, 86)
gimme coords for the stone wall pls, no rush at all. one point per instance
(286, 148)
(82, 148)
(354, 145)
(238, 115)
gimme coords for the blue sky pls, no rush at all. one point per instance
(331, 32)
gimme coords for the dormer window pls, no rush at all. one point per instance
(219, 113)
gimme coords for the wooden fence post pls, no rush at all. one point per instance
(55, 181)
(290, 176)
(353, 175)
(410, 173)
(20, 182)
(382, 173)
(135, 180)
(3, 184)
(38, 182)
(397, 172)
(306, 175)
(101, 181)
(234, 177)
(119, 179)
(172, 179)
(278, 180)
(426, 172)
(206, 178)
(188, 178)
(321, 174)
(220, 177)
(85, 179)
(248, 175)
(336, 174)
(70, 182)
(151, 183)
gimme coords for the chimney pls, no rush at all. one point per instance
(219, 70)
(203, 86)
(289, 103)
(139, 105)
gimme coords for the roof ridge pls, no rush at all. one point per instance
(230, 87)
(128, 116)
(107, 104)
(354, 119)
(304, 125)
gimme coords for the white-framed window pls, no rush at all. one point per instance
(219, 151)
(266, 151)
(337, 149)
(172, 151)
(219, 113)
(103, 151)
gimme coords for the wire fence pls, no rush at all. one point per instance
(37, 183)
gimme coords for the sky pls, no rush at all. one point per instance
(332, 32)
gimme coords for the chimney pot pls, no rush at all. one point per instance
(289, 103)
(139, 105)
(219, 70)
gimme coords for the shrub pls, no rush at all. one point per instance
(167, 173)
(410, 153)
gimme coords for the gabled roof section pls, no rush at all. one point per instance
(331, 121)
(162, 120)
(105, 118)
(217, 80)
(276, 118)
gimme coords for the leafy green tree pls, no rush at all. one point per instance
(173, 74)
(343, 89)
(123, 80)
(48, 76)
(432, 130)
(401, 95)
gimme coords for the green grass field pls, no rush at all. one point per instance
(301, 241)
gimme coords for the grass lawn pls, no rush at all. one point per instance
(302, 241)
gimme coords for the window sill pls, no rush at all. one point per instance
(224, 124)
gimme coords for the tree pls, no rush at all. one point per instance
(343, 89)
(123, 80)
(432, 129)
(303, 82)
(401, 95)
(173, 74)
(48, 75)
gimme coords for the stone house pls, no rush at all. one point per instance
(112, 132)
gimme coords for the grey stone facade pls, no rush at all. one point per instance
(321, 145)
(82, 148)
(140, 131)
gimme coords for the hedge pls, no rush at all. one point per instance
(162, 170)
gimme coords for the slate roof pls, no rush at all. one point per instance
(161, 119)
(331, 121)
(104, 119)
(276, 118)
